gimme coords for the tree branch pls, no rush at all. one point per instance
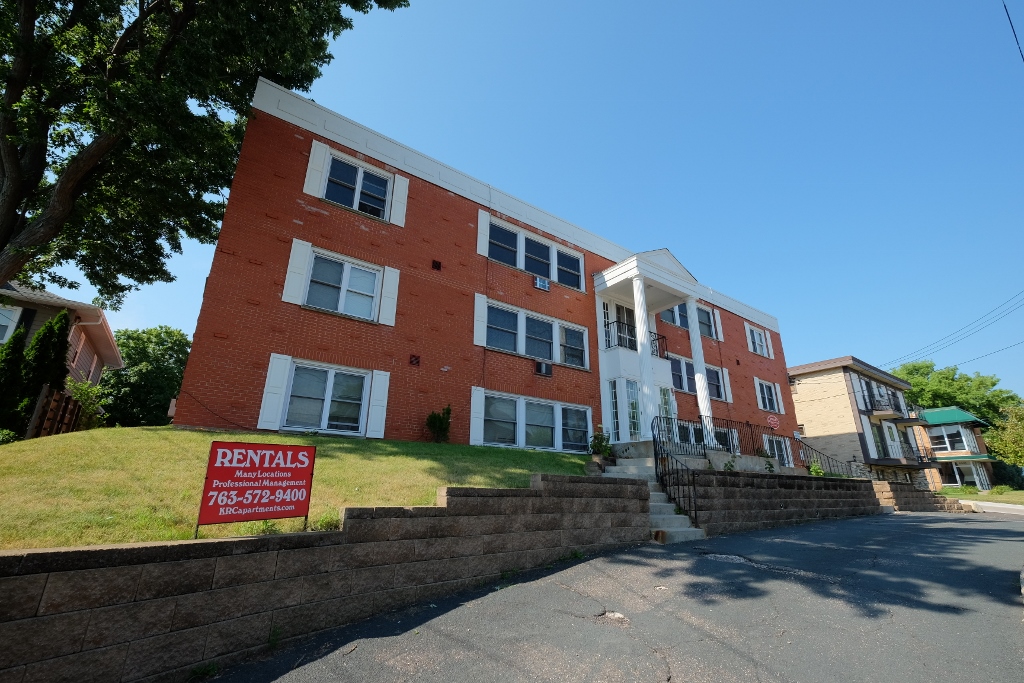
(121, 46)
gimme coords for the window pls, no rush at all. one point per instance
(522, 249)
(538, 258)
(947, 438)
(503, 245)
(357, 188)
(540, 425)
(8, 320)
(573, 348)
(766, 397)
(615, 410)
(539, 338)
(336, 285)
(327, 399)
(575, 430)
(521, 332)
(633, 395)
(665, 403)
(776, 447)
(715, 388)
(706, 321)
(677, 316)
(683, 382)
(502, 329)
(569, 270)
(499, 420)
(757, 342)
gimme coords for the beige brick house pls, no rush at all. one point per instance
(858, 413)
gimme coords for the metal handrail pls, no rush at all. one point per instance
(618, 333)
(677, 479)
(659, 345)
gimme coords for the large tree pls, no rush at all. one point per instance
(121, 122)
(154, 363)
(938, 387)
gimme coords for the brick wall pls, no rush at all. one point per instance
(154, 612)
(822, 404)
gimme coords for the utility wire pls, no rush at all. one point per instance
(991, 353)
(1014, 31)
(952, 338)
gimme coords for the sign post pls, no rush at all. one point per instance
(253, 481)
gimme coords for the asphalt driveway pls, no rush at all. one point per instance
(895, 598)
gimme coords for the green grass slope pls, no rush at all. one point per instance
(144, 484)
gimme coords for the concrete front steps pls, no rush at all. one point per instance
(904, 497)
(666, 525)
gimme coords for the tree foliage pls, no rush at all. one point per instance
(154, 363)
(12, 362)
(46, 358)
(1007, 439)
(120, 123)
(938, 388)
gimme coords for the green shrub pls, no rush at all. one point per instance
(1005, 473)
(7, 436)
(328, 521)
(264, 527)
(769, 466)
(1001, 489)
(600, 442)
(439, 424)
(91, 399)
(729, 465)
(956, 491)
(816, 470)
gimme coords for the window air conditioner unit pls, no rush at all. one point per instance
(542, 283)
(543, 368)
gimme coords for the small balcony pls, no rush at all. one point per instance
(885, 406)
(622, 335)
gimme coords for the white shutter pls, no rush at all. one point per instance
(298, 272)
(718, 326)
(778, 399)
(272, 407)
(480, 320)
(768, 341)
(735, 441)
(726, 385)
(869, 436)
(476, 416)
(757, 392)
(750, 341)
(399, 200)
(483, 231)
(314, 183)
(389, 297)
(378, 404)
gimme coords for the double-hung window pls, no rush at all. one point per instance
(715, 387)
(677, 316)
(947, 438)
(519, 248)
(538, 258)
(325, 398)
(532, 423)
(502, 329)
(357, 188)
(8, 320)
(573, 347)
(539, 338)
(757, 341)
(575, 429)
(503, 245)
(569, 270)
(336, 285)
(499, 420)
(683, 375)
(540, 425)
(767, 397)
(706, 321)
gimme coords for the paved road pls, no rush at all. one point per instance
(895, 599)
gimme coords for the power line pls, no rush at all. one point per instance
(1014, 31)
(991, 353)
(953, 338)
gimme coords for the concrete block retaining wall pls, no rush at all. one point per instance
(729, 502)
(157, 611)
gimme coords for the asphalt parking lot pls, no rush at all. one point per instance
(892, 598)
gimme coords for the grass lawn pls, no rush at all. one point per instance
(143, 484)
(1012, 497)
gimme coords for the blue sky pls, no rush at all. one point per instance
(853, 168)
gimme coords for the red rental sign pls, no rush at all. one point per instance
(773, 422)
(252, 481)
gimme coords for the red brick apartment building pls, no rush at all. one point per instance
(359, 285)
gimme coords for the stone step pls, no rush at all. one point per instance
(635, 462)
(663, 509)
(657, 497)
(670, 522)
(654, 486)
(667, 536)
(629, 468)
(652, 477)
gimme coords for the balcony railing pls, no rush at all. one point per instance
(694, 438)
(904, 452)
(885, 404)
(618, 333)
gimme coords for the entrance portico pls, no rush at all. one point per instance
(630, 294)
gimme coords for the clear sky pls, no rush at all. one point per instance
(853, 168)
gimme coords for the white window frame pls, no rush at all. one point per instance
(714, 322)
(557, 325)
(15, 317)
(675, 317)
(521, 402)
(521, 236)
(362, 167)
(350, 262)
(759, 340)
(946, 429)
(776, 395)
(364, 406)
(684, 360)
(723, 377)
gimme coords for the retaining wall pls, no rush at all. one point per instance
(729, 502)
(160, 611)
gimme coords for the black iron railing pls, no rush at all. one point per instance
(618, 333)
(885, 404)
(659, 345)
(677, 478)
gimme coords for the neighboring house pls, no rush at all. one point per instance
(359, 285)
(955, 438)
(91, 345)
(858, 413)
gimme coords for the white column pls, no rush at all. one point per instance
(697, 353)
(648, 401)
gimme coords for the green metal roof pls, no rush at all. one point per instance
(948, 416)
